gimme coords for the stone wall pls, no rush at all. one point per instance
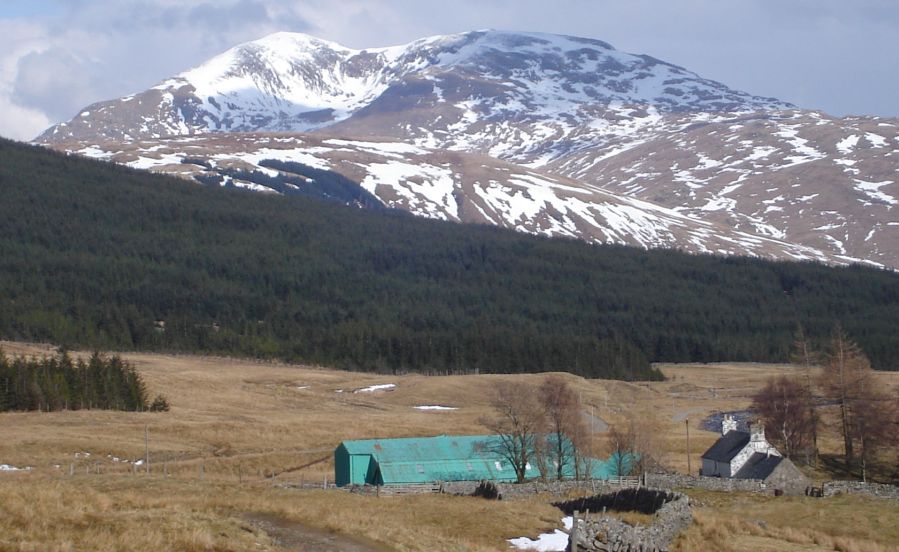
(682, 481)
(878, 490)
(531, 488)
(609, 534)
(670, 481)
(791, 483)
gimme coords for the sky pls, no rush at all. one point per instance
(58, 56)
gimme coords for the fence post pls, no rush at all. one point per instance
(71, 469)
(202, 471)
(574, 529)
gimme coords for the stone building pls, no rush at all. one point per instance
(748, 455)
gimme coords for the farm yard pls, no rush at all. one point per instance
(239, 462)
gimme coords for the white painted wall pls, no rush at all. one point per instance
(757, 443)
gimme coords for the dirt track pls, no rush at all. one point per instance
(296, 536)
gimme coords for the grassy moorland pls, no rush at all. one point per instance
(240, 421)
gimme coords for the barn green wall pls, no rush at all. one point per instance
(430, 459)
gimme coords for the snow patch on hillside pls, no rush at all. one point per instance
(425, 190)
(374, 388)
(557, 541)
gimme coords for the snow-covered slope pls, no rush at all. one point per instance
(450, 186)
(797, 176)
(603, 120)
(526, 86)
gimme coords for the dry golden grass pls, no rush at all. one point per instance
(741, 522)
(140, 513)
(239, 421)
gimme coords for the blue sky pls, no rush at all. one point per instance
(57, 56)
(27, 8)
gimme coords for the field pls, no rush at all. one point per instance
(238, 429)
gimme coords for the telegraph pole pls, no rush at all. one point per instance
(689, 465)
(147, 447)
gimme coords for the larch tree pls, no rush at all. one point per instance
(849, 381)
(875, 427)
(805, 355)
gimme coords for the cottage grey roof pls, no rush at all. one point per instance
(727, 446)
(758, 466)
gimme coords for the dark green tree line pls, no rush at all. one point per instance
(101, 256)
(60, 383)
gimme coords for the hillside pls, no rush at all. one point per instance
(454, 186)
(100, 255)
(243, 421)
(610, 123)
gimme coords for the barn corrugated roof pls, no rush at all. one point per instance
(727, 446)
(451, 458)
(441, 458)
(411, 449)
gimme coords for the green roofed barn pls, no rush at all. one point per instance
(430, 459)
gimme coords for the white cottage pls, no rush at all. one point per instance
(740, 455)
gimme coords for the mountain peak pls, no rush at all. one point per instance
(613, 121)
(294, 40)
(296, 82)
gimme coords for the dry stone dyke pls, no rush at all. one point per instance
(601, 533)
(879, 490)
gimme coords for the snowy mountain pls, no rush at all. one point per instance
(494, 86)
(798, 176)
(453, 186)
(614, 126)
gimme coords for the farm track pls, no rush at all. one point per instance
(291, 535)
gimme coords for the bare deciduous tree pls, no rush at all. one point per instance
(519, 422)
(647, 441)
(635, 446)
(875, 426)
(621, 445)
(566, 429)
(784, 407)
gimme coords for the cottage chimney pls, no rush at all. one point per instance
(757, 433)
(729, 424)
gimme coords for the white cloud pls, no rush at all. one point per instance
(20, 123)
(16, 40)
